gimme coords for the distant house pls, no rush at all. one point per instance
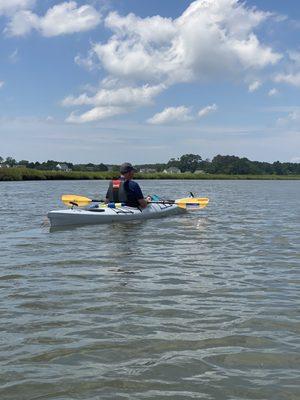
(172, 170)
(3, 165)
(147, 170)
(199, 171)
(62, 167)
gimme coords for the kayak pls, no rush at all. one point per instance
(104, 215)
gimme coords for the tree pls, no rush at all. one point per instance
(190, 162)
(10, 161)
(173, 163)
(24, 163)
(226, 165)
(1, 159)
(186, 163)
(278, 168)
(101, 167)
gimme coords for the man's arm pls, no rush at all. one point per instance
(139, 195)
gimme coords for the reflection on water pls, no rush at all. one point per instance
(199, 305)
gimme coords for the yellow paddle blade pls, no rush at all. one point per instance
(192, 203)
(81, 201)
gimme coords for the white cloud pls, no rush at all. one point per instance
(22, 23)
(96, 114)
(123, 96)
(254, 86)
(295, 159)
(1, 84)
(179, 114)
(112, 101)
(165, 51)
(292, 74)
(85, 62)
(273, 92)
(187, 48)
(154, 29)
(207, 110)
(291, 79)
(8, 7)
(171, 115)
(64, 18)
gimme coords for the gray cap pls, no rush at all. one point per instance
(126, 167)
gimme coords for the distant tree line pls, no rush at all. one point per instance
(229, 165)
(52, 165)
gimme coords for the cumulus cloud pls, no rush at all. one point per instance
(207, 110)
(8, 7)
(165, 51)
(171, 115)
(187, 48)
(254, 86)
(64, 18)
(110, 102)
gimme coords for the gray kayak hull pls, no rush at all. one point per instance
(108, 215)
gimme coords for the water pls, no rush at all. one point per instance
(197, 306)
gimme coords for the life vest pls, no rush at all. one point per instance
(116, 191)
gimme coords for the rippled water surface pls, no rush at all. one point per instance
(203, 305)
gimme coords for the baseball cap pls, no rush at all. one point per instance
(126, 167)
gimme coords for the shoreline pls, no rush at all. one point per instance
(26, 174)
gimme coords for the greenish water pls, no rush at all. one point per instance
(203, 305)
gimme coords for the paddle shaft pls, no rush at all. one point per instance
(149, 202)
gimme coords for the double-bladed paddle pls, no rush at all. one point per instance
(187, 202)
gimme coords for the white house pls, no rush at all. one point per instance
(62, 167)
(172, 170)
(148, 170)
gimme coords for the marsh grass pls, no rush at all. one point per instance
(26, 174)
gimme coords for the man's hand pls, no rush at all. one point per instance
(143, 203)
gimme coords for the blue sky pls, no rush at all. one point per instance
(108, 81)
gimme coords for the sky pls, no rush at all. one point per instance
(144, 81)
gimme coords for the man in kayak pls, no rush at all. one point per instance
(125, 190)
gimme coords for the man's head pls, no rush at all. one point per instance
(127, 170)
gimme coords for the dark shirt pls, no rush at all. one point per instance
(134, 193)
